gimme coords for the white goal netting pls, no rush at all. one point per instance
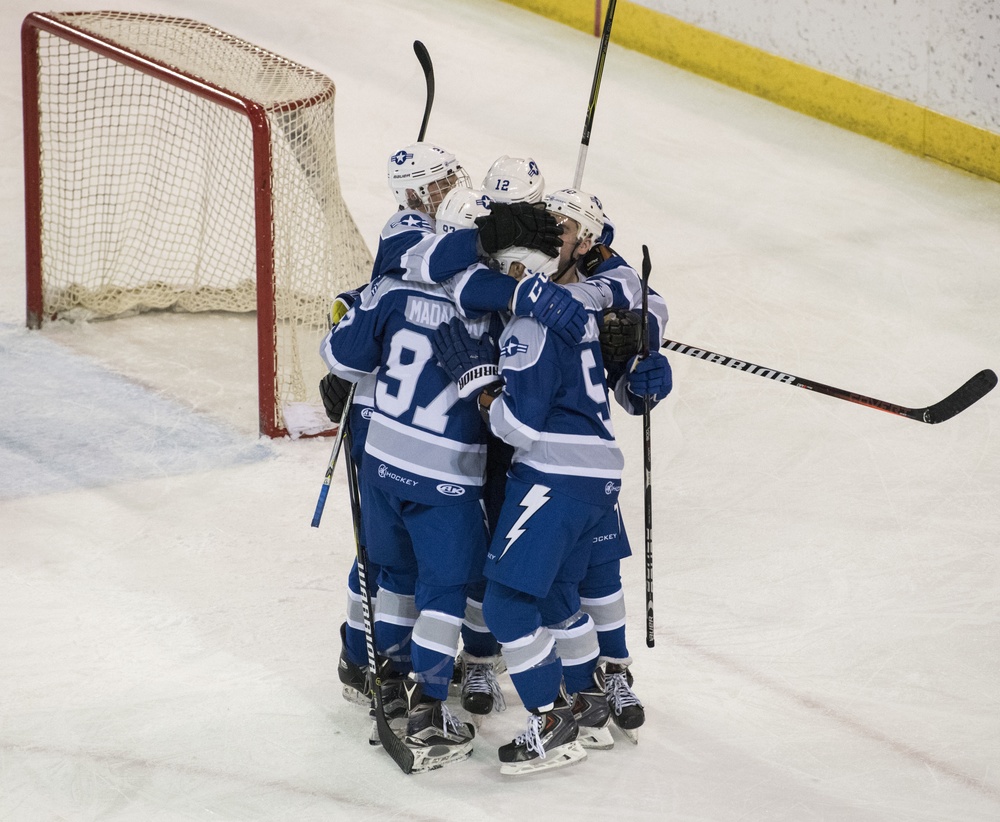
(182, 168)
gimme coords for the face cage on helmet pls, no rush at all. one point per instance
(432, 194)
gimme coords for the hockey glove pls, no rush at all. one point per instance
(591, 261)
(650, 378)
(552, 305)
(334, 391)
(521, 224)
(470, 363)
(621, 337)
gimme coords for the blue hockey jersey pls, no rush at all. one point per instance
(423, 443)
(554, 412)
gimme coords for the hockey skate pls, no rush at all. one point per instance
(593, 715)
(353, 677)
(550, 741)
(436, 737)
(481, 692)
(626, 709)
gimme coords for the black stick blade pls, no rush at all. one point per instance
(425, 63)
(956, 402)
(392, 744)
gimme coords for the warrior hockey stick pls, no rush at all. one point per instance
(595, 89)
(391, 743)
(337, 443)
(955, 403)
(425, 63)
(647, 454)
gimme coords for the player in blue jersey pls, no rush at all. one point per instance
(605, 283)
(560, 470)
(561, 491)
(423, 469)
(602, 280)
(551, 406)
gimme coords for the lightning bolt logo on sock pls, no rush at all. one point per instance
(536, 497)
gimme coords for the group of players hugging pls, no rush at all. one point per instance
(481, 355)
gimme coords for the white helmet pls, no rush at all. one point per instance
(426, 169)
(514, 180)
(460, 208)
(585, 208)
(534, 262)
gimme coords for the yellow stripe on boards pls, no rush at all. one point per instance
(857, 108)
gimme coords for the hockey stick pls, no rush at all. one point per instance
(595, 89)
(337, 442)
(391, 743)
(647, 454)
(425, 63)
(956, 402)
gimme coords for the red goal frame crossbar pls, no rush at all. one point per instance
(263, 212)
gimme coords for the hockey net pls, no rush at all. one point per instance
(172, 166)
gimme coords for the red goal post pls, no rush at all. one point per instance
(172, 166)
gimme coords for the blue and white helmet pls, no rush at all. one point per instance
(427, 170)
(585, 208)
(514, 180)
(460, 208)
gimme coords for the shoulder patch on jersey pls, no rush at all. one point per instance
(411, 220)
(513, 346)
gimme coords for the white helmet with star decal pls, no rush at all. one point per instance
(421, 174)
(460, 208)
(514, 180)
(584, 208)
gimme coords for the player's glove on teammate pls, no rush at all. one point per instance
(552, 305)
(650, 378)
(521, 224)
(470, 363)
(334, 391)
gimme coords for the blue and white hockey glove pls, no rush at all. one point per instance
(552, 305)
(470, 363)
(650, 378)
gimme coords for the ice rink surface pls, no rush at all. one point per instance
(826, 576)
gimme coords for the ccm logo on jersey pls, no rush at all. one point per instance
(450, 490)
(367, 413)
(386, 472)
